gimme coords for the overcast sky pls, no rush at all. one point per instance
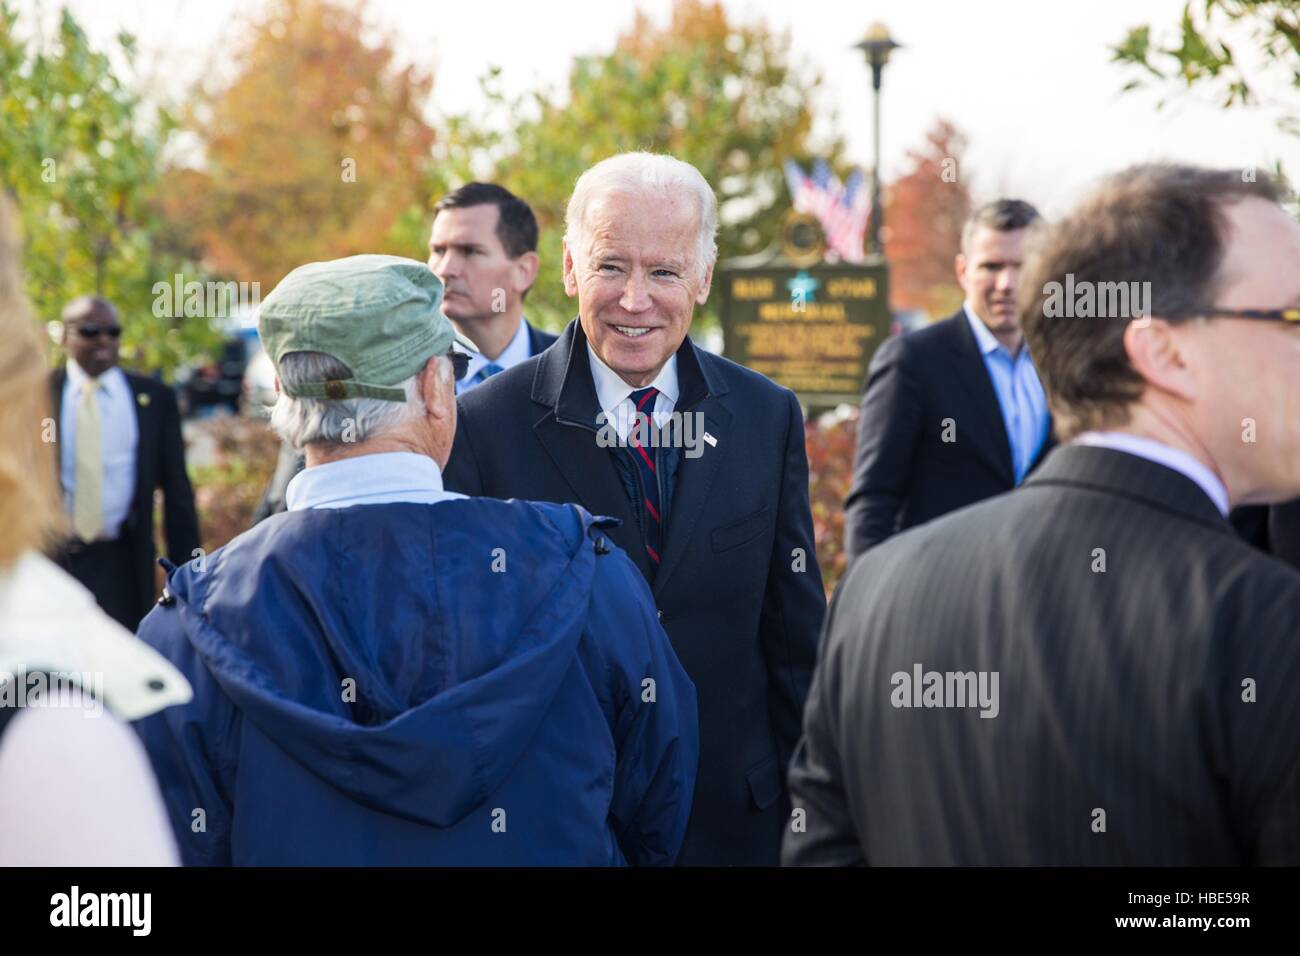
(1028, 81)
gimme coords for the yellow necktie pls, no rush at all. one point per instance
(88, 493)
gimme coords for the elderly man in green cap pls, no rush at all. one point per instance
(392, 673)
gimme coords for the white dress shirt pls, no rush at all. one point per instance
(385, 478)
(516, 351)
(614, 394)
(1162, 454)
(119, 439)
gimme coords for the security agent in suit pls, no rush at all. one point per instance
(119, 439)
(1093, 669)
(715, 513)
(483, 246)
(952, 413)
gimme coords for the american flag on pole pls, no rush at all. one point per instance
(842, 209)
(850, 225)
(800, 186)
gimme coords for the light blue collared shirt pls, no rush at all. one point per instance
(516, 351)
(385, 478)
(1020, 395)
(119, 438)
(1162, 454)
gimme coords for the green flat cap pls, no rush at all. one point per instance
(380, 316)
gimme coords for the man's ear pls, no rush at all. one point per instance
(438, 397)
(703, 295)
(570, 278)
(525, 272)
(277, 386)
(959, 269)
(1163, 355)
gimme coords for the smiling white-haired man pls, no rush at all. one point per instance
(702, 460)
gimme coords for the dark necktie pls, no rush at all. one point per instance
(485, 373)
(645, 460)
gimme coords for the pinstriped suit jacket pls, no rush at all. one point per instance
(1148, 713)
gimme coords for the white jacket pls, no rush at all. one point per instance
(50, 623)
(76, 786)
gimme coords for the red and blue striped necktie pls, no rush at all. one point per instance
(645, 459)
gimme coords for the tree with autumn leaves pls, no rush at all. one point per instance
(726, 96)
(313, 150)
(924, 212)
(312, 142)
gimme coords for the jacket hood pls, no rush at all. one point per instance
(403, 653)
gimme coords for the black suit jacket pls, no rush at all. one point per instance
(1275, 529)
(159, 463)
(739, 590)
(538, 340)
(1158, 691)
(904, 472)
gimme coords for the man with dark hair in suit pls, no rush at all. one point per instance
(484, 249)
(702, 460)
(1106, 669)
(483, 246)
(119, 439)
(952, 413)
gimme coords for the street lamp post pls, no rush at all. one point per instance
(877, 46)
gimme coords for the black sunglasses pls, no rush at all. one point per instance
(459, 363)
(92, 331)
(1267, 315)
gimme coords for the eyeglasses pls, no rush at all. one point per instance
(1268, 315)
(92, 331)
(459, 363)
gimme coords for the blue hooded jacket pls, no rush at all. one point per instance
(471, 682)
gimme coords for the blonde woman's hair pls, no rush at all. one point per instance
(30, 515)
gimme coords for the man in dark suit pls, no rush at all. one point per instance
(952, 413)
(118, 439)
(703, 462)
(483, 246)
(1094, 668)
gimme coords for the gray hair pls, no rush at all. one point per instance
(311, 421)
(654, 176)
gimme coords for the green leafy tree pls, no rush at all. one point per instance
(722, 95)
(1242, 52)
(80, 156)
